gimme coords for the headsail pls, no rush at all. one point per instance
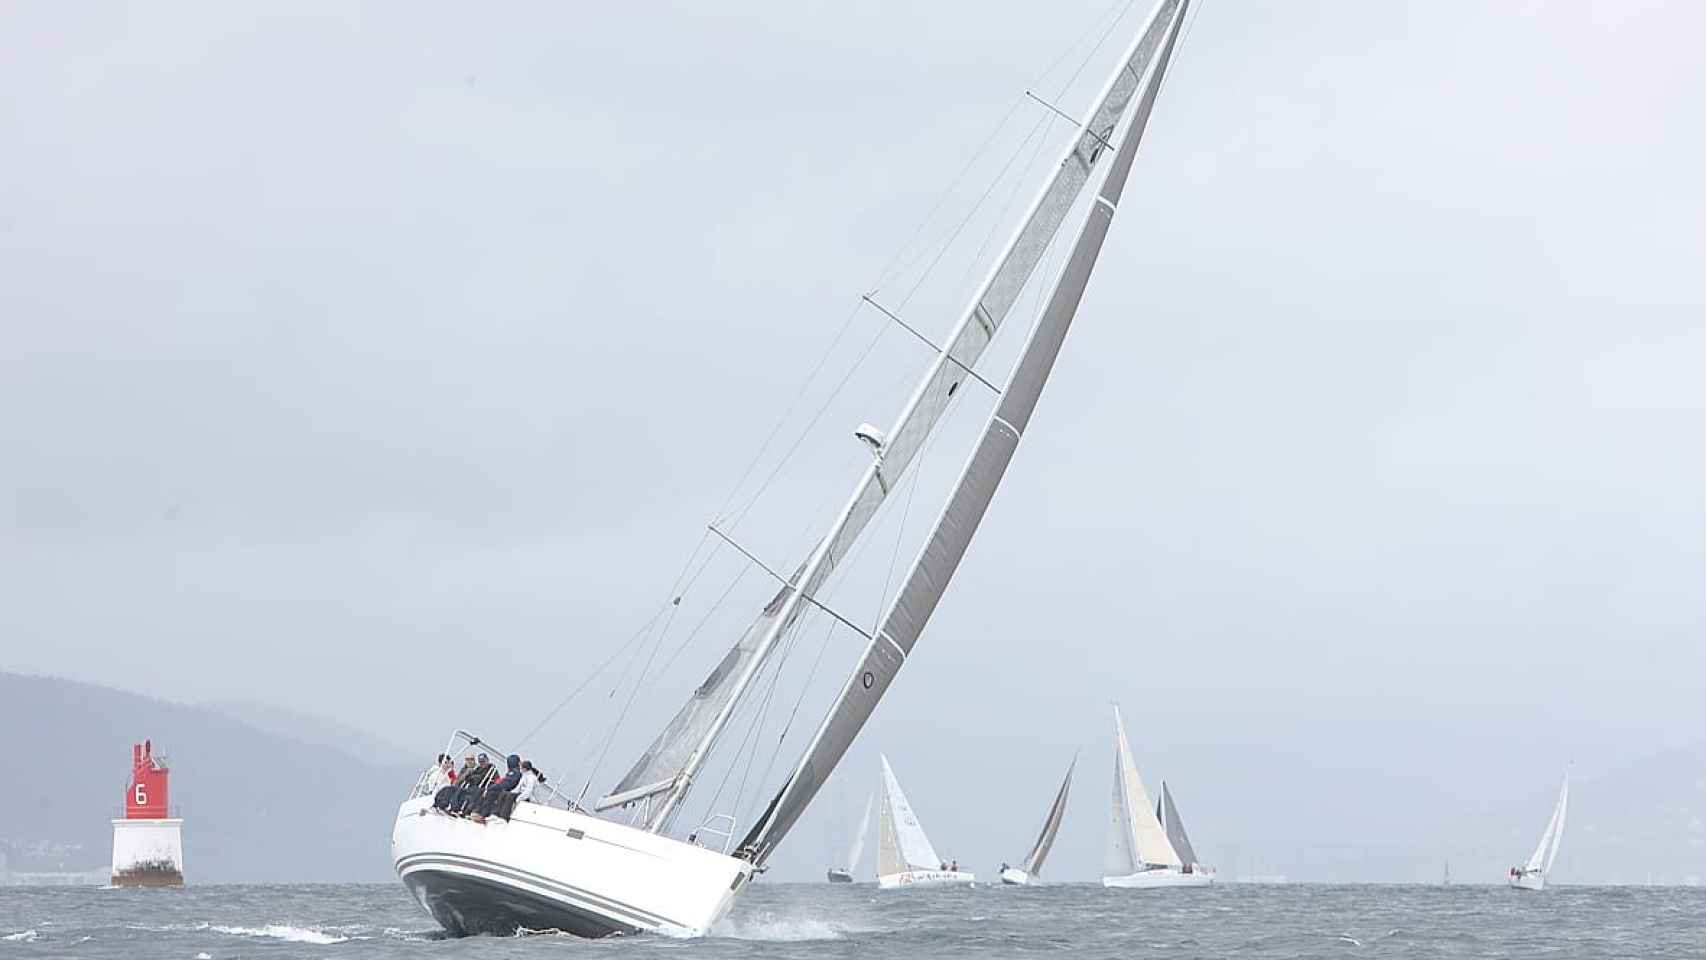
(1051, 826)
(1145, 843)
(857, 850)
(901, 843)
(1174, 827)
(935, 565)
(667, 767)
(1547, 849)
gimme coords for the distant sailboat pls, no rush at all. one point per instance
(1032, 866)
(1532, 875)
(1447, 881)
(1147, 846)
(905, 857)
(857, 850)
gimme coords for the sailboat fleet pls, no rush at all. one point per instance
(634, 858)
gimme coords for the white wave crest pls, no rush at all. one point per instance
(279, 931)
(22, 936)
(769, 927)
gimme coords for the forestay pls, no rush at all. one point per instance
(901, 843)
(952, 533)
(667, 767)
(1051, 826)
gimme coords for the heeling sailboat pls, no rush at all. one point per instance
(557, 866)
(1031, 868)
(1532, 874)
(844, 874)
(905, 856)
(1143, 850)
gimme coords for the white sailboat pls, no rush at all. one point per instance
(1031, 867)
(625, 865)
(905, 857)
(1147, 845)
(844, 874)
(1532, 875)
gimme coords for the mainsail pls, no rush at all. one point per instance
(1174, 827)
(901, 843)
(928, 577)
(1136, 840)
(1051, 826)
(857, 850)
(666, 769)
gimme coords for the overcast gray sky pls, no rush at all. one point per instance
(386, 361)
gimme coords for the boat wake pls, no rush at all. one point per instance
(767, 927)
(279, 931)
(270, 931)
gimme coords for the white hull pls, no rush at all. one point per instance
(1014, 877)
(924, 878)
(1528, 881)
(551, 869)
(1149, 879)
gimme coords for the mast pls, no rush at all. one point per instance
(935, 565)
(703, 719)
(712, 706)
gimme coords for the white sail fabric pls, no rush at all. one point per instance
(930, 573)
(1120, 858)
(1558, 823)
(1051, 826)
(857, 850)
(1174, 826)
(1145, 839)
(901, 845)
(667, 763)
(1547, 849)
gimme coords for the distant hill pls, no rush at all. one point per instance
(258, 806)
(317, 731)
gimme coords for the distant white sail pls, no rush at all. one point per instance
(1136, 838)
(1174, 826)
(1546, 850)
(1051, 826)
(901, 843)
(855, 852)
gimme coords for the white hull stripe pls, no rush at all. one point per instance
(616, 910)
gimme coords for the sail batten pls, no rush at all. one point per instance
(682, 747)
(931, 571)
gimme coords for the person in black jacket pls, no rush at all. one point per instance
(496, 791)
(471, 785)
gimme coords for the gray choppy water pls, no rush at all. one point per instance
(821, 922)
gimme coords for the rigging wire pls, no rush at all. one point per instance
(688, 577)
(622, 715)
(589, 679)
